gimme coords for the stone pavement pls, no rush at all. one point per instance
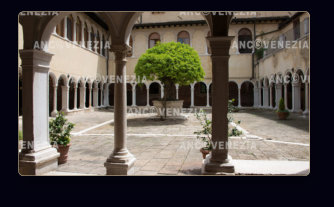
(170, 148)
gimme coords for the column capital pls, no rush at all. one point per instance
(220, 46)
(120, 51)
(37, 59)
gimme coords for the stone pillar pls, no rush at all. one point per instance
(54, 110)
(192, 88)
(270, 97)
(219, 162)
(101, 96)
(278, 95)
(162, 91)
(259, 96)
(207, 96)
(82, 97)
(256, 96)
(75, 97)
(121, 161)
(64, 98)
(177, 91)
(134, 95)
(90, 96)
(148, 95)
(106, 95)
(306, 99)
(75, 30)
(95, 97)
(265, 96)
(37, 156)
(65, 28)
(296, 107)
(83, 34)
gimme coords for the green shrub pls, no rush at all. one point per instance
(281, 106)
(60, 130)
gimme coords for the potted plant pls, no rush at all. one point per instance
(171, 63)
(60, 129)
(282, 113)
(205, 134)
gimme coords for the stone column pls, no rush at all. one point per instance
(65, 28)
(90, 96)
(265, 96)
(192, 88)
(306, 99)
(101, 96)
(75, 97)
(148, 95)
(54, 110)
(177, 91)
(121, 161)
(296, 107)
(37, 156)
(106, 95)
(134, 95)
(286, 95)
(64, 98)
(95, 97)
(219, 162)
(162, 91)
(82, 97)
(256, 96)
(278, 95)
(259, 96)
(75, 30)
(83, 34)
(270, 97)
(207, 96)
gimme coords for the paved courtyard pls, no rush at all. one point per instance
(170, 148)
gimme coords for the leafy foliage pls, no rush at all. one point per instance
(20, 135)
(171, 63)
(281, 106)
(206, 133)
(60, 130)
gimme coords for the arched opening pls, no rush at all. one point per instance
(200, 94)
(289, 91)
(98, 42)
(302, 89)
(208, 48)
(60, 28)
(185, 95)
(261, 94)
(153, 39)
(244, 41)
(86, 36)
(78, 30)
(210, 95)
(20, 95)
(233, 92)
(87, 95)
(273, 94)
(111, 94)
(103, 46)
(92, 39)
(183, 37)
(69, 22)
(141, 95)
(99, 94)
(78, 93)
(61, 82)
(128, 94)
(51, 94)
(155, 92)
(72, 89)
(247, 94)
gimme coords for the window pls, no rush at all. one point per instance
(306, 26)
(208, 48)
(153, 39)
(70, 28)
(86, 36)
(103, 45)
(131, 45)
(92, 44)
(183, 37)
(244, 39)
(60, 28)
(202, 87)
(296, 29)
(78, 30)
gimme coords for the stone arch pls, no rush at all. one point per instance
(301, 76)
(62, 81)
(185, 95)
(154, 92)
(141, 95)
(88, 86)
(233, 92)
(71, 95)
(247, 94)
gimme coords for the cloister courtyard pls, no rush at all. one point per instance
(170, 147)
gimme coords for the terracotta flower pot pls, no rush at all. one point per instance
(282, 115)
(63, 150)
(204, 152)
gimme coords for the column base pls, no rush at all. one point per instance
(54, 113)
(120, 164)
(217, 168)
(38, 163)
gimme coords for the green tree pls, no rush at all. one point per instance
(170, 63)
